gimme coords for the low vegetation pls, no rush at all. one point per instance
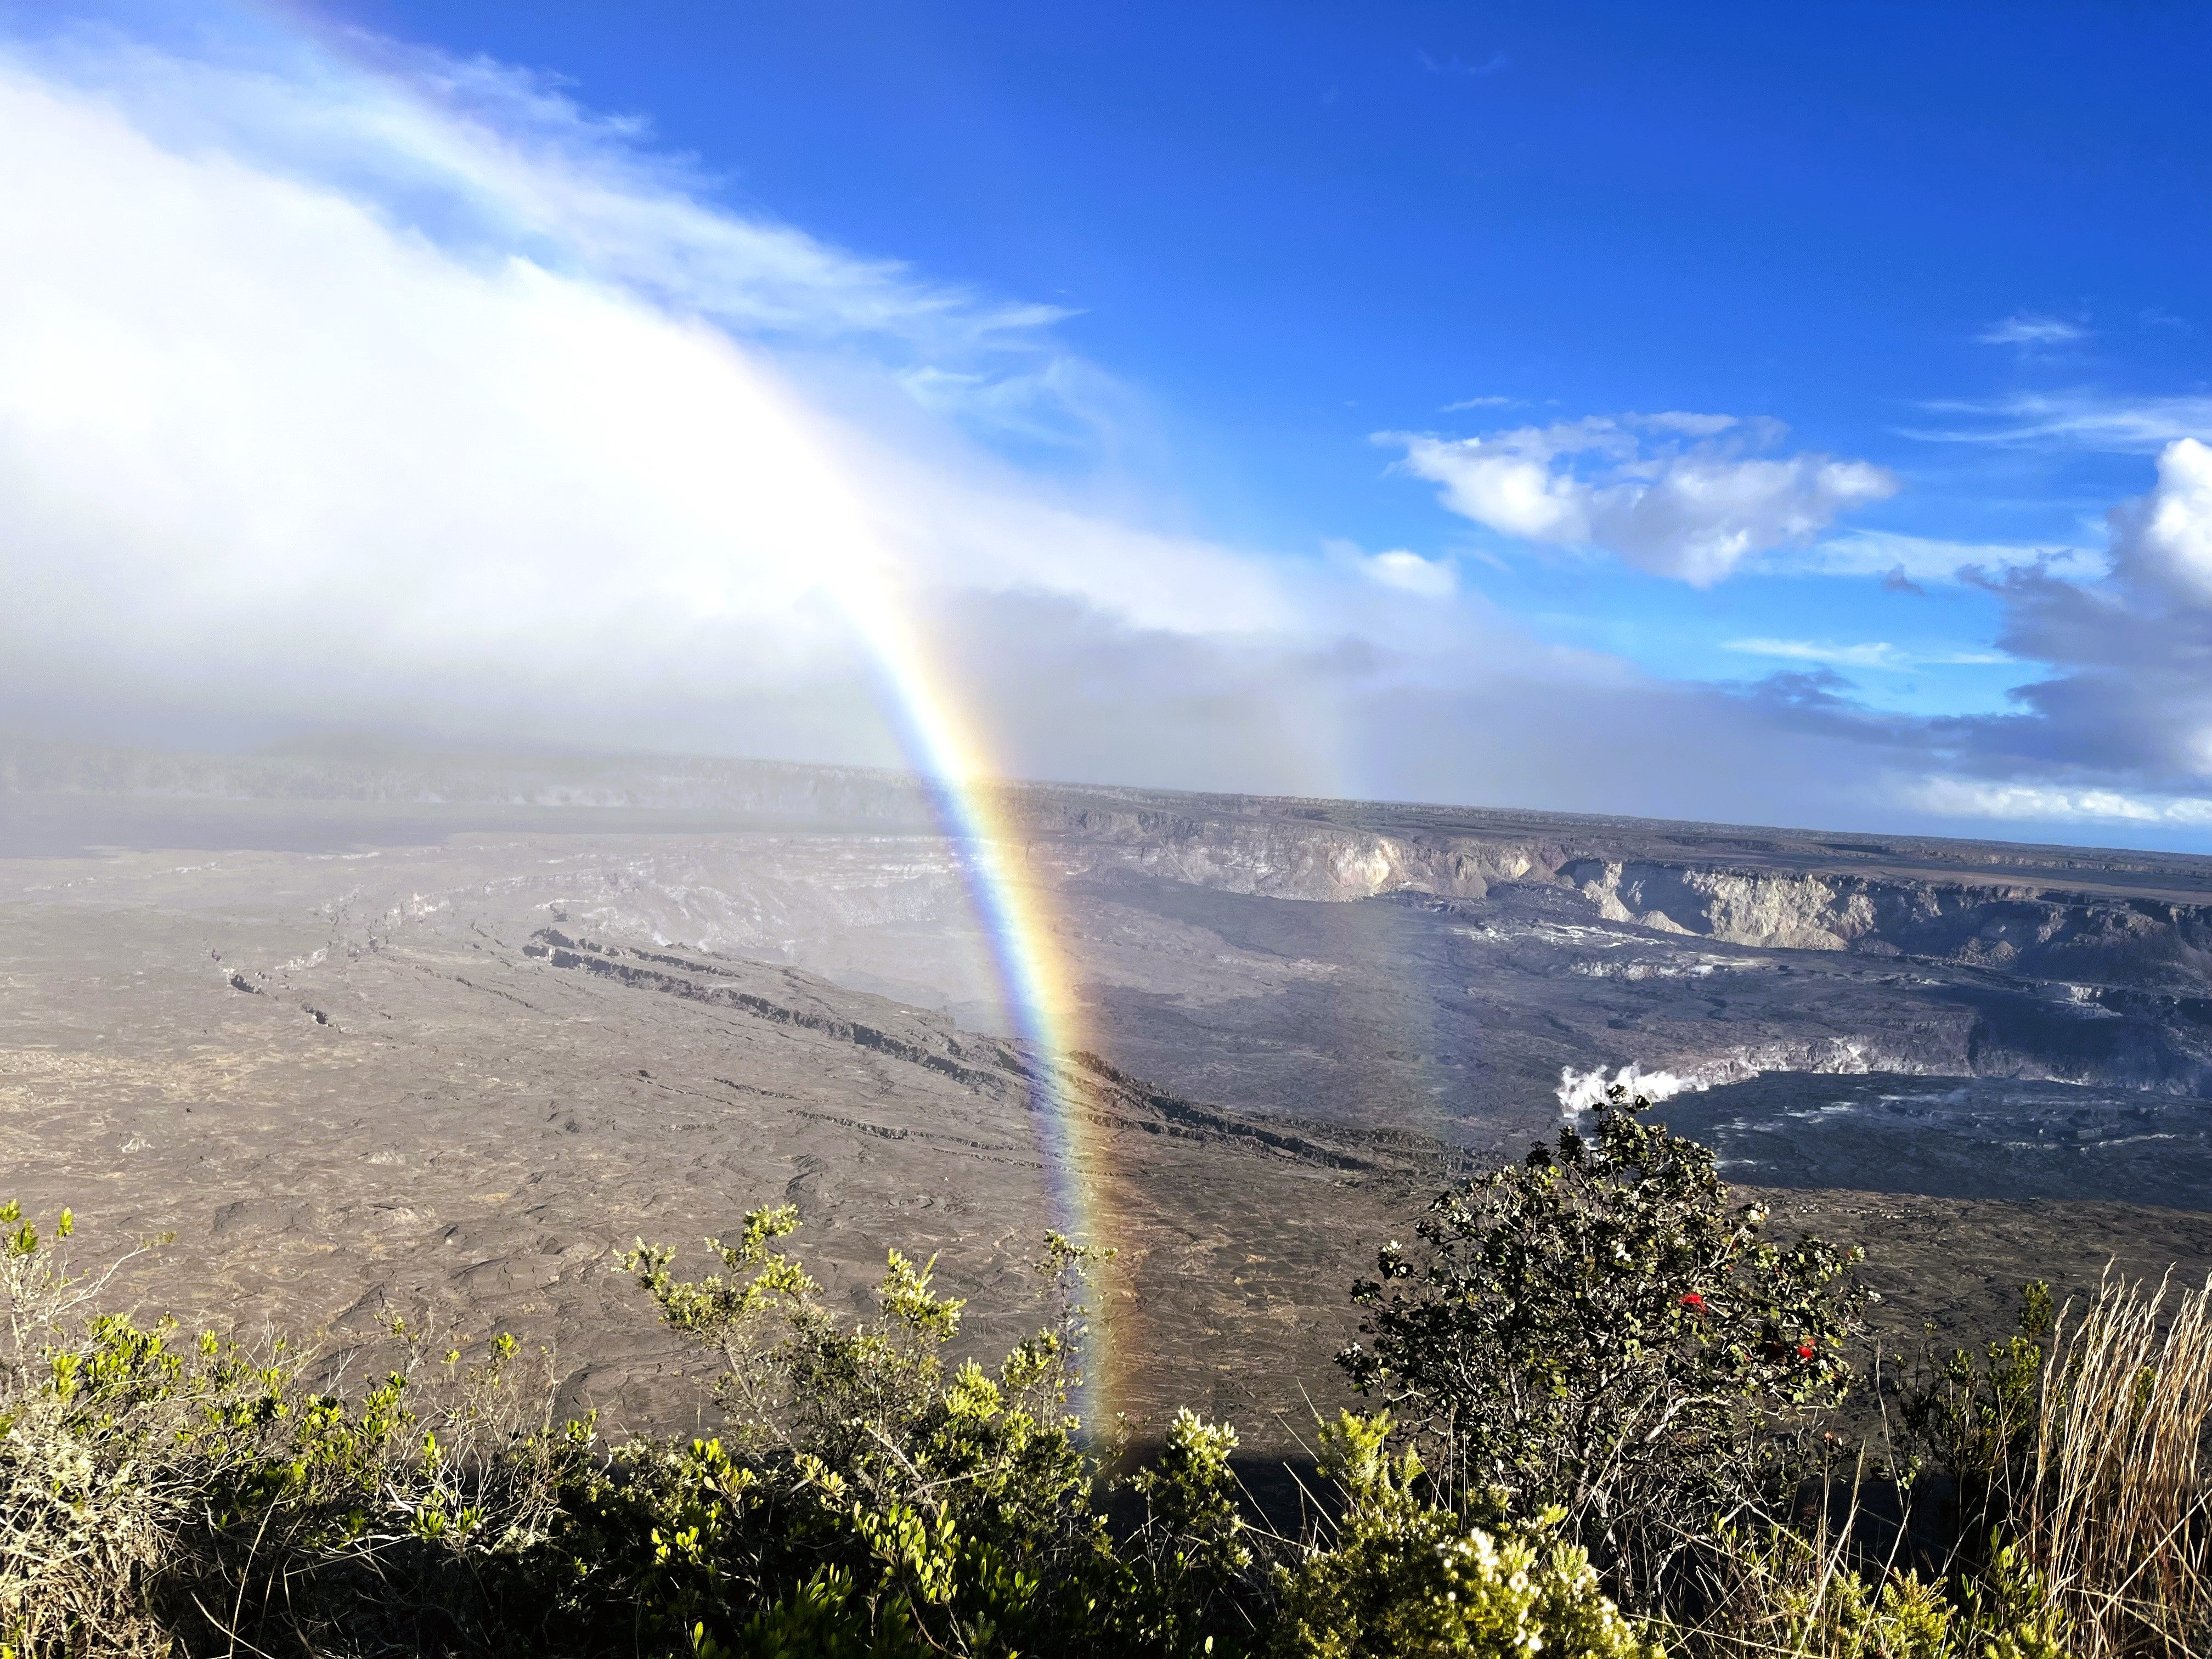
(1601, 1427)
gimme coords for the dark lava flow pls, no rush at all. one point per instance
(1978, 1138)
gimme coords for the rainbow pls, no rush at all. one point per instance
(1030, 970)
(864, 581)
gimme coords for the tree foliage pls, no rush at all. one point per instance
(1597, 1330)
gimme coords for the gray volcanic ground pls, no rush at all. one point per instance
(379, 1033)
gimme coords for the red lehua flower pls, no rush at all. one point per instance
(1694, 1300)
(1804, 1351)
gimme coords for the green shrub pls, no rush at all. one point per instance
(1184, 1565)
(1595, 1330)
(868, 1497)
(1405, 1578)
(865, 1497)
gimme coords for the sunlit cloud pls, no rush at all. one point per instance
(1681, 495)
(491, 162)
(405, 393)
(1398, 568)
(2123, 695)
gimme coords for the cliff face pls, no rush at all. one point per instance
(1717, 954)
(2064, 929)
(2038, 933)
(1282, 860)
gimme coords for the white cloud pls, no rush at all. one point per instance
(266, 443)
(1966, 797)
(2168, 534)
(2029, 328)
(1406, 572)
(491, 161)
(1681, 494)
(1701, 425)
(2125, 697)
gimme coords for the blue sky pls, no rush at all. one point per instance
(1373, 333)
(1290, 226)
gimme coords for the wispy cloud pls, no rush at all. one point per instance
(2078, 419)
(1682, 495)
(488, 159)
(489, 162)
(1455, 64)
(1397, 567)
(1877, 653)
(2030, 328)
(1919, 559)
(1493, 401)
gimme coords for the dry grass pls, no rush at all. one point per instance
(1836, 1583)
(2104, 1528)
(161, 1496)
(2117, 1513)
